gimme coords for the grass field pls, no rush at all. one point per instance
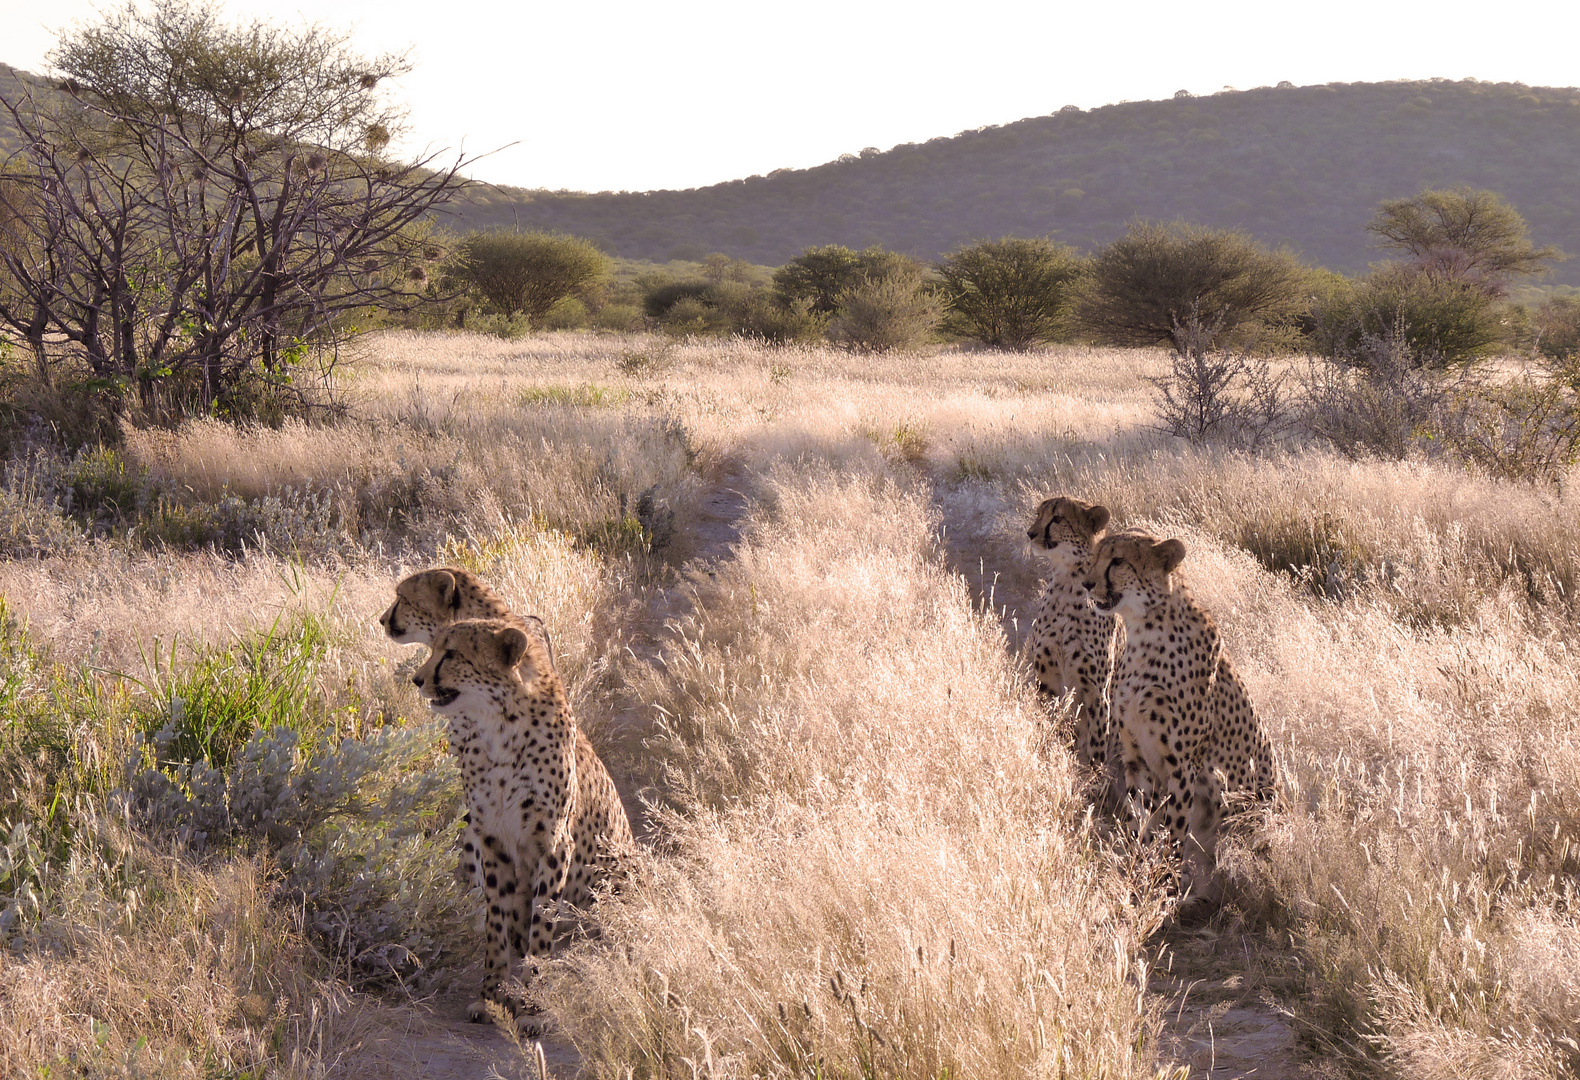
(228, 818)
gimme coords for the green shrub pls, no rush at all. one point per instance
(693, 316)
(662, 296)
(822, 276)
(621, 318)
(1011, 293)
(1558, 325)
(1442, 322)
(569, 314)
(207, 709)
(1145, 287)
(895, 311)
(528, 273)
(729, 306)
(766, 317)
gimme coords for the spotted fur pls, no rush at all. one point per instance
(549, 822)
(425, 603)
(1072, 643)
(1188, 740)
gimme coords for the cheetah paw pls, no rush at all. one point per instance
(531, 1023)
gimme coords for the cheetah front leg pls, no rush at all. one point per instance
(503, 919)
(537, 932)
(1134, 786)
(1199, 846)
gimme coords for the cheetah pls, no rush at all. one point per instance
(550, 822)
(1073, 644)
(429, 600)
(1189, 742)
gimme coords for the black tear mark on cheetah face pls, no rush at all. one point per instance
(1133, 565)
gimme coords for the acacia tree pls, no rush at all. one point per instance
(1187, 286)
(205, 202)
(1462, 236)
(1012, 293)
(821, 276)
(529, 272)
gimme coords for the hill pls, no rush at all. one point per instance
(1302, 166)
(12, 83)
(1299, 166)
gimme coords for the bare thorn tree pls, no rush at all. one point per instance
(204, 203)
(1219, 396)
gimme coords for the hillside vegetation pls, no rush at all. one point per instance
(1303, 166)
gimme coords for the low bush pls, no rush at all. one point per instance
(1443, 322)
(1558, 325)
(1380, 398)
(1220, 397)
(894, 312)
(1522, 428)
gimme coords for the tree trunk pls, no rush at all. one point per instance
(35, 338)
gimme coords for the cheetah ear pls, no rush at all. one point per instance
(512, 645)
(445, 590)
(1170, 553)
(1097, 518)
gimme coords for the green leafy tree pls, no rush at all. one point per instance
(529, 272)
(1012, 293)
(1188, 286)
(821, 276)
(1462, 235)
(719, 268)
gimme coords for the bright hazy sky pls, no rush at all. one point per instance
(679, 93)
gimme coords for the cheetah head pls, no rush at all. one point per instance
(473, 656)
(431, 599)
(1065, 529)
(1131, 572)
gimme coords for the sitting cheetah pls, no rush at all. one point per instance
(430, 599)
(549, 821)
(1073, 644)
(424, 603)
(1188, 740)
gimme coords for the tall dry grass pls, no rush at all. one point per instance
(870, 869)
(861, 860)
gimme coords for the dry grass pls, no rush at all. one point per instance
(866, 861)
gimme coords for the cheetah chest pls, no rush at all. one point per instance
(517, 766)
